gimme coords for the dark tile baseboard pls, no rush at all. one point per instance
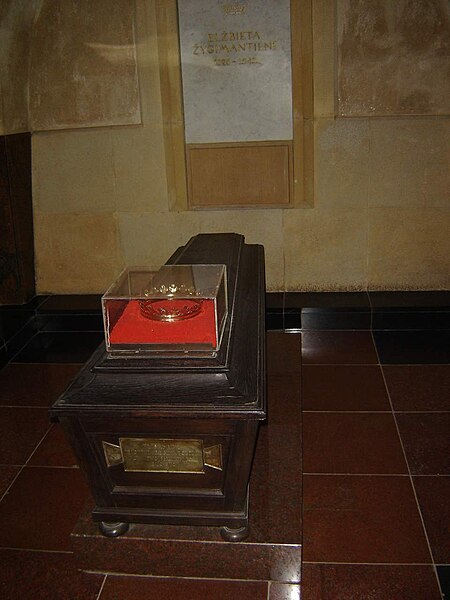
(25, 325)
(358, 310)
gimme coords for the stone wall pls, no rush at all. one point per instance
(381, 209)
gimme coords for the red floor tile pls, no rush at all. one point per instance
(362, 519)
(426, 439)
(54, 450)
(359, 519)
(338, 348)
(21, 429)
(351, 443)
(344, 388)
(149, 588)
(284, 591)
(364, 582)
(283, 353)
(433, 494)
(34, 384)
(41, 509)
(7, 474)
(28, 575)
(419, 387)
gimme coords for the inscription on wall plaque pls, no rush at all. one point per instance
(155, 455)
(236, 70)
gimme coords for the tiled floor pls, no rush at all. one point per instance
(376, 448)
(376, 423)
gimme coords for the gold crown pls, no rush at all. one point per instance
(168, 311)
(171, 290)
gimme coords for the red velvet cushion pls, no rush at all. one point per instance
(133, 328)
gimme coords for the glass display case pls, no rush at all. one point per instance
(170, 308)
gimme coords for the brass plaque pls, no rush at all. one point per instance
(162, 456)
(156, 455)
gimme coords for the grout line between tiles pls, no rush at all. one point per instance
(409, 471)
(16, 466)
(376, 412)
(22, 347)
(44, 362)
(208, 578)
(358, 365)
(52, 363)
(12, 548)
(39, 444)
(302, 508)
(43, 302)
(421, 412)
(296, 546)
(101, 587)
(443, 475)
(9, 406)
(377, 564)
(18, 331)
(71, 467)
(23, 405)
(345, 412)
(24, 465)
(11, 484)
(357, 474)
(379, 365)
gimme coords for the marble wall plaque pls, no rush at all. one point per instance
(236, 70)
